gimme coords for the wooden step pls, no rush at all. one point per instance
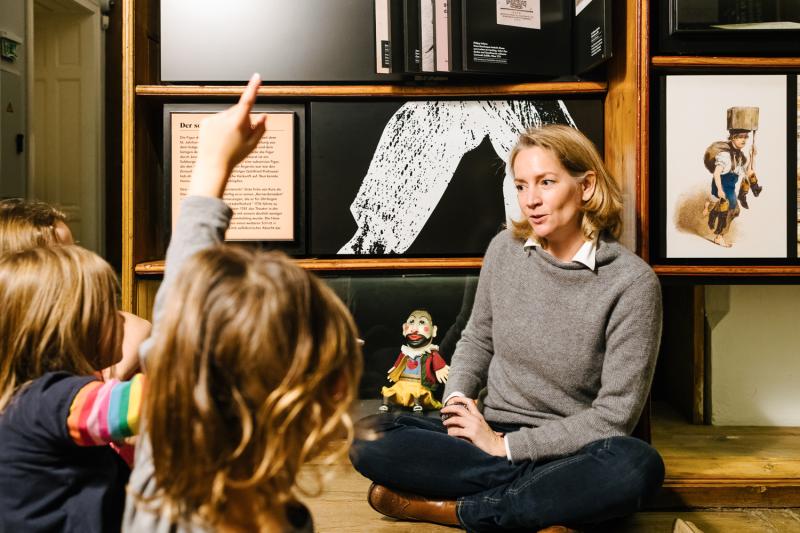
(724, 466)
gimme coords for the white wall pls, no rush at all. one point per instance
(755, 354)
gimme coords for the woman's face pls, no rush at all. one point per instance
(549, 197)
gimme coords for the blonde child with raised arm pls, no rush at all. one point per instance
(252, 366)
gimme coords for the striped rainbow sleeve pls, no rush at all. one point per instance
(104, 412)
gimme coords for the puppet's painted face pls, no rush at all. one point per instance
(418, 329)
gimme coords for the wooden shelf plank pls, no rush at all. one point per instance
(395, 91)
(737, 271)
(726, 62)
(156, 268)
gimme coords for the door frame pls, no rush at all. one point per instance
(93, 99)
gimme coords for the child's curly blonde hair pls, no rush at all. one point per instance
(251, 375)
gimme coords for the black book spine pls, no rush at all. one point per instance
(456, 33)
(396, 13)
(592, 35)
(412, 36)
(512, 37)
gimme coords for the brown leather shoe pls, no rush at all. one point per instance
(405, 506)
(558, 529)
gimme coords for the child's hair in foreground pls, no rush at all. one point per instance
(59, 314)
(28, 223)
(252, 374)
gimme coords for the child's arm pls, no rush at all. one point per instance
(225, 140)
(106, 411)
(136, 330)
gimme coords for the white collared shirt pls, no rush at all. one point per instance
(586, 254)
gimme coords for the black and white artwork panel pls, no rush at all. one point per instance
(422, 178)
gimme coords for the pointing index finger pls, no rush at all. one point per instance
(250, 93)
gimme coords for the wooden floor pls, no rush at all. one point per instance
(343, 508)
(754, 473)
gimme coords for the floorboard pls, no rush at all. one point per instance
(343, 508)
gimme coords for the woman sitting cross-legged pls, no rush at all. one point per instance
(563, 335)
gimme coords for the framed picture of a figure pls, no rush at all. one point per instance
(725, 152)
(422, 178)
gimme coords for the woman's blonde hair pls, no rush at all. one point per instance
(578, 155)
(59, 313)
(253, 370)
(28, 223)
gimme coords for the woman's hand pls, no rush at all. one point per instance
(464, 421)
(226, 138)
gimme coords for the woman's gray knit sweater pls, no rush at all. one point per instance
(565, 350)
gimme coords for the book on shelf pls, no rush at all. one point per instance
(389, 37)
(427, 35)
(592, 34)
(383, 42)
(412, 36)
(441, 35)
(454, 34)
(524, 37)
(516, 37)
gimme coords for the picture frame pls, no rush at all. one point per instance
(797, 160)
(380, 304)
(728, 27)
(734, 16)
(267, 191)
(422, 178)
(693, 141)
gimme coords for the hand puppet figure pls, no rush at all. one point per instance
(418, 369)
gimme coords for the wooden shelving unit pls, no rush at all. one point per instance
(717, 466)
(735, 481)
(143, 96)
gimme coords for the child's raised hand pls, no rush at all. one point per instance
(226, 138)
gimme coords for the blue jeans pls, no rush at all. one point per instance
(606, 479)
